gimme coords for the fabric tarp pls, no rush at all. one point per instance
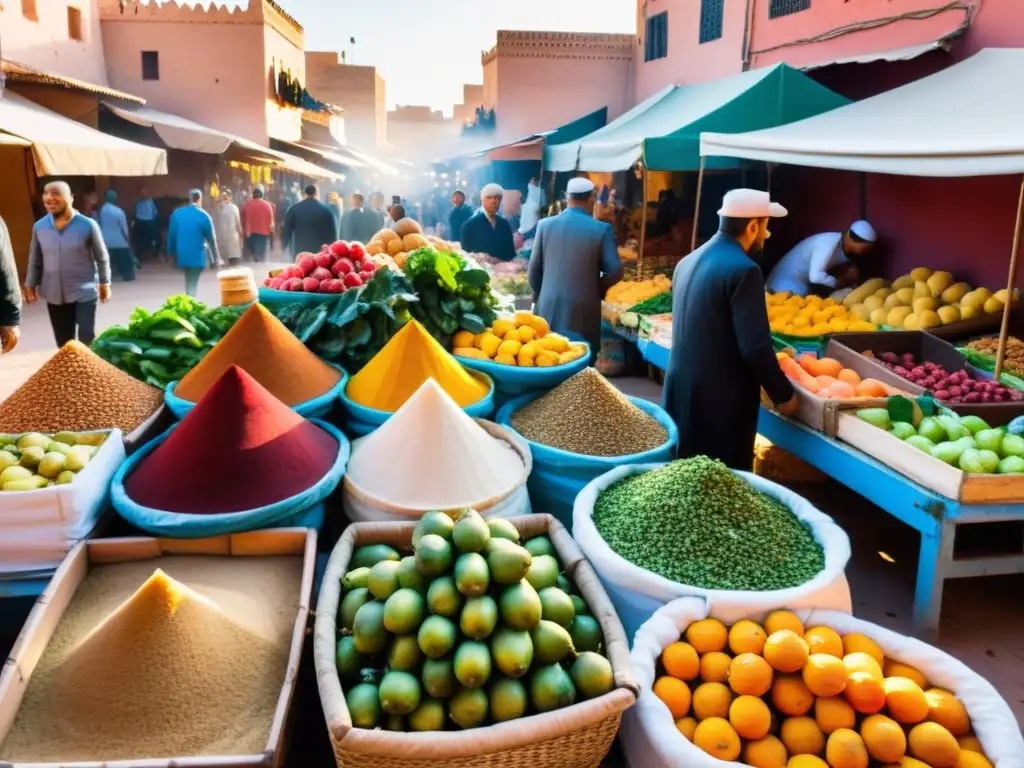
(62, 146)
(963, 121)
(897, 54)
(664, 131)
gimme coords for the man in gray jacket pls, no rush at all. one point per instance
(68, 266)
(10, 293)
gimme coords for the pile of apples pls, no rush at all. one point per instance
(956, 387)
(337, 268)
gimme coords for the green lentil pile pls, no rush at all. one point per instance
(587, 415)
(695, 522)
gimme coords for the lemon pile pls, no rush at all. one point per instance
(813, 316)
(782, 696)
(626, 293)
(524, 340)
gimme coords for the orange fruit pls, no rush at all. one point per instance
(790, 696)
(948, 711)
(750, 717)
(675, 694)
(750, 675)
(714, 667)
(845, 749)
(895, 669)
(778, 620)
(969, 759)
(934, 745)
(824, 675)
(824, 640)
(865, 693)
(905, 700)
(711, 700)
(768, 752)
(884, 738)
(908, 762)
(681, 661)
(862, 662)
(746, 637)
(806, 761)
(686, 726)
(786, 651)
(802, 736)
(716, 737)
(834, 713)
(707, 635)
(855, 642)
(972, 743)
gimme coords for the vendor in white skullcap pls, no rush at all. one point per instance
(487, 232)
(823, 263)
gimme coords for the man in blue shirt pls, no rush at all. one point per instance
(487, 232)
(189, 234)
(114, 226)
(458, 215)
(147, 225)
(68, 266)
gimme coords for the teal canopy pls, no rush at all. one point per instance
(664, 131)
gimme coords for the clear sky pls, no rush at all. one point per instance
(426, 49)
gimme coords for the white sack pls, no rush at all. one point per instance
(359, 511)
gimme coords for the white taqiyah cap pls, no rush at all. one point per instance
(492, 190)
(750, 204)
(864, 231)
(579, 186)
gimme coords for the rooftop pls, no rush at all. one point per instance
(22, 73)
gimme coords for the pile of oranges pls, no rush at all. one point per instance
(782, 696)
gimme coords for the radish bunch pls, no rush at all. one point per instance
(335, 269)
(957, 387)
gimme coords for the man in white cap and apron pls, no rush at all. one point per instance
(721, 355)
(823, 263)
(487, 232)
(573, 263)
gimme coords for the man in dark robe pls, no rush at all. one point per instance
(309, 225)
(487, 232)
(722, 355)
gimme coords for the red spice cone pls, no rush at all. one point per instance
(240, 448)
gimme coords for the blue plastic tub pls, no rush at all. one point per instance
(358, 420)
(305, 510)
(315, 408)
(272, 296)
(558, 475)
(511, 381)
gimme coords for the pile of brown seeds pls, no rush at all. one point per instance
(76, 391)
(589, 416)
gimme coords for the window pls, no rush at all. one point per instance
(74, 23)
(778, 8)
(28, 10)
(711, 12)
(150, 65)
(656, 39)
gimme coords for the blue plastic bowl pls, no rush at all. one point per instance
(511, 381)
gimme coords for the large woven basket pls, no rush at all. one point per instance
(575, 737)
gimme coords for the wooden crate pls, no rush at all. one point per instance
(50, 607)
(925, 470)
(822, 413)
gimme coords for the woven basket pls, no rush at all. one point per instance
(575, 737)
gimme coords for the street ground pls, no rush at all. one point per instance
(982, 620)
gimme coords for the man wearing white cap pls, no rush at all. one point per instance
(823, 263)
(573, 263)
(486, 231)
(722, 356)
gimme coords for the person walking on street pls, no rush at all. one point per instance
(114, 226)
(358, 223)
(10, 294)
(487, 232)
(228, 229)
(573, 263)
(189, 235)
(722, 355)
(68, 266)
(147, 225)
(258, 225)
(458, 215)
(309, 225)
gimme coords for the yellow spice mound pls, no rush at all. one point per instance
(166, 674)
(410, 358)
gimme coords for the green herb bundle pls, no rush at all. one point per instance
(454, 294)
(656, 305)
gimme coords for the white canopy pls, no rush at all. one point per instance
(967, 120)
(64, 147)
(176, 132)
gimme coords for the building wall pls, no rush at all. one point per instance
(283, 49)
(360, 91)
(421, 134)
(45, 44)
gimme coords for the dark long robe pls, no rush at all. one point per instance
(721, 354)
(308, 226)
(479, 236)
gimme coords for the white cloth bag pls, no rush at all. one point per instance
(360, 511)
(649, 736)
(637, 593)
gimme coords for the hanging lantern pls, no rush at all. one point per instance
(267, 177)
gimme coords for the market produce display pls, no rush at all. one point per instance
(77, 391)
(827, 378)
(627, 293)
(954, 387)
(985, 349)
(812, 316)
(470, 628)
(32, 461)
(239, 449)
(261, 345)
(587, 415)
(337, 268)
(767, 694)
(410, 358)
(161, 347)
(696, 522)
(967, 442)
(508, 277)
(524, 340)
(396, 244)
(454, 293)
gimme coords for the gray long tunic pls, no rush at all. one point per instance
(66, 265)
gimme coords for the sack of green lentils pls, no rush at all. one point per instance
(657, 532)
